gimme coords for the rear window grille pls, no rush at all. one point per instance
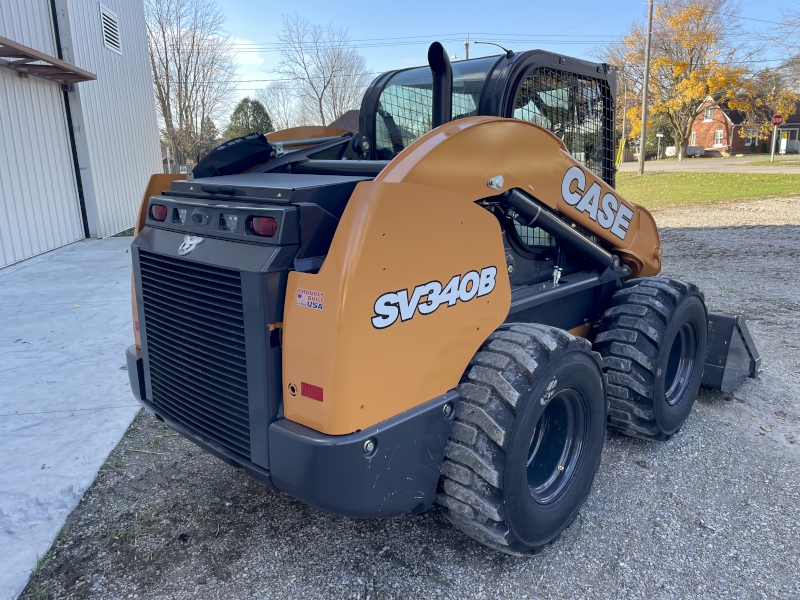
(405, 110)
(538, 238)
(110, 26)
(194, 330)
(577, 108)
(533, 236)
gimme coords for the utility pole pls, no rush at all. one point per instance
(645, 86)
(466, 47)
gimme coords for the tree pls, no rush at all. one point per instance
(248, 116)
(329, 77)
(193, 71)
(789, 33)
(280, 98)
(768, 95)
(209, 138)
(690, 60)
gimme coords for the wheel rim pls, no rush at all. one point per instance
(680, 363)
(556, 446)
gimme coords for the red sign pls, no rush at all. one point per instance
(777, 120)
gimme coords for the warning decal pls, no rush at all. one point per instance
(310, 298)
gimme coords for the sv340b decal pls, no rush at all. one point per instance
(428, 297)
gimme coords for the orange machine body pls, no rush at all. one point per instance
(349, 361)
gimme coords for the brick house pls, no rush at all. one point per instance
(717, 129)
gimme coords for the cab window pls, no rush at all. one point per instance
(405, 106)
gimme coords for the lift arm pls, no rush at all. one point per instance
(479, 157)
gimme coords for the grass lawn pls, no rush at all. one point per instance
(659, 190)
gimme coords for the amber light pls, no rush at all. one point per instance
(264, 226)
(158, 212)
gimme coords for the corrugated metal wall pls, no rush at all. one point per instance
(115, 121)
(39, 207)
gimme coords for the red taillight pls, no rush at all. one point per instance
(264, 226)
(158, 212)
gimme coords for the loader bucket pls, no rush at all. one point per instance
(732, 355)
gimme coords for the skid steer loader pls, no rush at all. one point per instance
(451, 305)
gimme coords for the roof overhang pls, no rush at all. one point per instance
(27, 61)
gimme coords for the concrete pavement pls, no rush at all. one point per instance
(714, 165)
(65, 402)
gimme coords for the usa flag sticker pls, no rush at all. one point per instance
(310, 298)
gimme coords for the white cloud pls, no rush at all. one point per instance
(245, 53)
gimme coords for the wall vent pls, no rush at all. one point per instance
(110, 26)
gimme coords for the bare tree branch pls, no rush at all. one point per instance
(193, 71)
(280, 100)
(328, 76)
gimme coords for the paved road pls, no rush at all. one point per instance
(713, 165)
(65, 320)
(713, 513)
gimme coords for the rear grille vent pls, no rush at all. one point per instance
(194, 330)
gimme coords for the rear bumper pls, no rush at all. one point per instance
(335, 473)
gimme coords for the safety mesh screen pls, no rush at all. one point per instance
(405, 114)
(533, 236)
(578, 109)
(405, 104)
(574, 107)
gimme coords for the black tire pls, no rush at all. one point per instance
(653, 341)
(528, 388)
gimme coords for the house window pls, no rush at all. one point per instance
(708, 114)
(694, 139)
(109, 24)
(718, 137)
(752, 136)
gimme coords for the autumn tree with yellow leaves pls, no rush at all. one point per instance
(690, 59)
(768, 94)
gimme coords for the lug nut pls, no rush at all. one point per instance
(369, 446)
(446, 409)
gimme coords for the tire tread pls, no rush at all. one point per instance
(472, 473)
(632, 331)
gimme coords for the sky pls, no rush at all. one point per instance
(392, 35)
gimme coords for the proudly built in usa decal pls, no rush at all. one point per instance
(310, 298)
(428, 297)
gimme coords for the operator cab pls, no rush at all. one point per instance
(569, 97)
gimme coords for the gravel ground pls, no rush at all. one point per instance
(713, 513)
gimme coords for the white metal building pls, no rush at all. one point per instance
(75, 152)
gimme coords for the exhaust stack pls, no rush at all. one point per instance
(442, 74)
